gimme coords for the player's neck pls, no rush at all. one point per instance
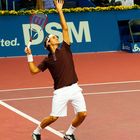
(53, 48)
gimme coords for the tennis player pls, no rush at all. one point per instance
(61, 66)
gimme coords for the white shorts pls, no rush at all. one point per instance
(63, 95)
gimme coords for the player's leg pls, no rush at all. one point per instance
(79, 105)
(45, 122)
(59, 109)
(79, 118)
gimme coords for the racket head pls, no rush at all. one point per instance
(39, 19)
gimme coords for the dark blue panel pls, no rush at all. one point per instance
(89, 32)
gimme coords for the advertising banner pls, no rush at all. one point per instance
(131, 47)
(14, 34)
(88, 31)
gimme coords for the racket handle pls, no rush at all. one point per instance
(29, 44)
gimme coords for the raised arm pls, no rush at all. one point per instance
(32, 67)
(59, 5)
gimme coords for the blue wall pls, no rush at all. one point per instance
(89, 32)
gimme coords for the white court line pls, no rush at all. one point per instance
(85, 94)
(92, 84)
(20, 89)
(112, 92)
(49, 128)
(27, 98)
(30, 118)
(81, 53)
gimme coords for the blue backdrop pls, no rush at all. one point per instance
(89, 32)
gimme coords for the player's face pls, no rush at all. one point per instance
(54, 40)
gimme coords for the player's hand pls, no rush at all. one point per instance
(58, 4)
(27, 51)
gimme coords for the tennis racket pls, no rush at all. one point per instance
(39, 19)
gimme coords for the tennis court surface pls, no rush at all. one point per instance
(111, 86)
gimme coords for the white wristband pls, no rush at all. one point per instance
(30, 58)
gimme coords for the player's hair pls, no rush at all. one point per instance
(45, 44)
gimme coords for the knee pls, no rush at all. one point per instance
(53, 118)
(82, 114)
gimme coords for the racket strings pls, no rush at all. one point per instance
(39, 19)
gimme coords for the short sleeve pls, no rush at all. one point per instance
(66, 46)
(43, 65)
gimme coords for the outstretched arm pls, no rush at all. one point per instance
(33, 68)
(59, 5)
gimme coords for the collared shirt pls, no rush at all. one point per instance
(61, 66)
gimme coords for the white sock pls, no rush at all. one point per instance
(37, 130)
(71, 130)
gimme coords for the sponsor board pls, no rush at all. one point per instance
(136, 48)
(80, 34)
(15, 35)
(9, 43)
(88, 31)
(131, 47)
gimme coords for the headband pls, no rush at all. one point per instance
(48, 38)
